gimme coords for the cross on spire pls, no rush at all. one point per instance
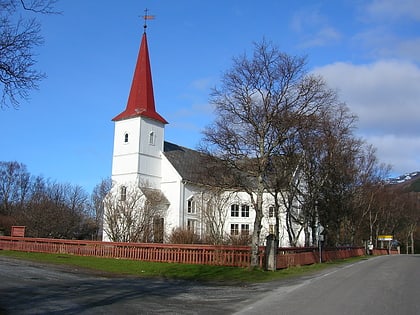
(146, 17)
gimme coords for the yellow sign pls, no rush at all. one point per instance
(385, 237)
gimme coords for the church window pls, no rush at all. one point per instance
(191, 225)
(271, 212)
(244, 229)
(234, 210)
(158, 229)
(234, 229)
(152, 138)
(126, 138)
(123, 193)
(245, 211)
(191, 205)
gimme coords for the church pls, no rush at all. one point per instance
(172, 179)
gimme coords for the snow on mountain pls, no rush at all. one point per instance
(403, 178)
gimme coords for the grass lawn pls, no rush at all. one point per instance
(171, 270)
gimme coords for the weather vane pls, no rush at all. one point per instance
(146, 17)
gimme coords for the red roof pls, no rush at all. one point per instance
(141, 101)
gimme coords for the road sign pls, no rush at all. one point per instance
(319, 229)
(385, 238)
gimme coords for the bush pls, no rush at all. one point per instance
(240, 239)
(184, 236)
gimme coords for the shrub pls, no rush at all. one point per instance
(183, 236)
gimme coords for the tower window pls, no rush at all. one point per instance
(152, 138)
(126, 138)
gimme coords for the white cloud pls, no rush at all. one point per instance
(203, 84)
(394, 9)
(314, 28)
(385, 95)
(382, 42)
(400, 152)
(389, 29)
(409, 49)
(322, 37)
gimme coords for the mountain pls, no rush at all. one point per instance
(409, 181)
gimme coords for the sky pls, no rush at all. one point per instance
(368, 51)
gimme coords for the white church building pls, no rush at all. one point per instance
(143, 160)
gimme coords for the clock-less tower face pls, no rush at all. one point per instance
(138, 146)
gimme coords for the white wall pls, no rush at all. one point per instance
(172, 188)
(138, 158)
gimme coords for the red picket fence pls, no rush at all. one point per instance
(310, 255)
(235, 256)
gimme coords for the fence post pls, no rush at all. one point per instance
(271, 253)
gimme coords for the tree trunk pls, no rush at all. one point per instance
(412, 241)
(257, 227)
(307, 235)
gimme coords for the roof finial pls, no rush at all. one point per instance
(147, 17)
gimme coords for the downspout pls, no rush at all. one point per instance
(181, 205)
(201, 216)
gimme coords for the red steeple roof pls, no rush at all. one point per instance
(141, 101)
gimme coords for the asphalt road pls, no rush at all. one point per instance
(34, 288)
(381, 285)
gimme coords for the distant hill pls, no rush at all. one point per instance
(409, 182)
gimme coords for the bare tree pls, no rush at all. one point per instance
(369, 181)
(330, 171)
(99, 193)
(132, 214)
(14, 186)
(257, 105)
(214, 209)
(57, 210)
(284, 182)
(20, 34)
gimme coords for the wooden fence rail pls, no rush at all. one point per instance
(235, 256)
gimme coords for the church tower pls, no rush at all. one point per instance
(139, 131)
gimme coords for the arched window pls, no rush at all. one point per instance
(191, 206)
(126, 137)
(151, 138)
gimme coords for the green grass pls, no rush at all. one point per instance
(171, 270)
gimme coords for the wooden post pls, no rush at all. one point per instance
(18, 231)
(271, 253)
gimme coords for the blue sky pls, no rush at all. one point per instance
(368, 50)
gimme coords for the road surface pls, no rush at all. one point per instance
(380, 285)
(385, 285)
